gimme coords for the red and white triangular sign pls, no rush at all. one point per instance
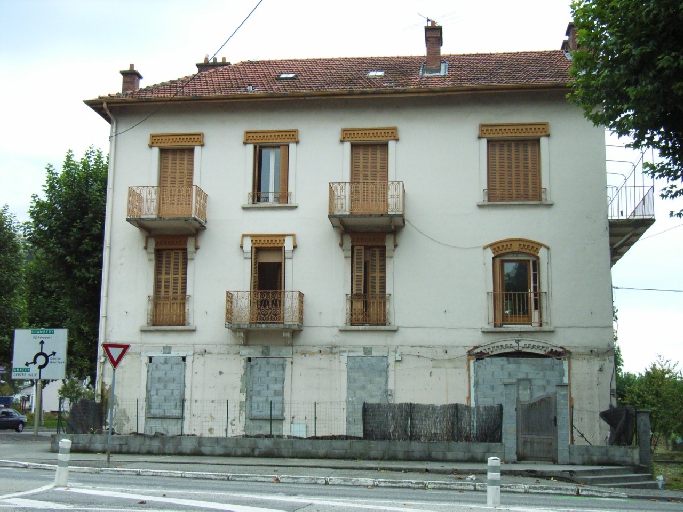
(115, 352)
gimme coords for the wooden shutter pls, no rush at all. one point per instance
(284, 174)
(177, 168)
(514, 170)
(358, 275)
(170, 287)
(369, 162)
(498, 289)
(254, 268)
(377, 273)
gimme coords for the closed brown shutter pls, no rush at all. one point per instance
(514, 170)
(377, 273)
(498, 289)
(358, 275)
(369, 162)
(170, 287)
(177, 168)
(254, 268)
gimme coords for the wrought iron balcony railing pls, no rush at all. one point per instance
(518, 308)
(168, 310)
(367, 198)
(364, 309)
(263, 309)
(269, 197)
(167, 203)
(631, 202)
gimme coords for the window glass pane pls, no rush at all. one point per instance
(516, 275)
(264, 170)
(275, 184)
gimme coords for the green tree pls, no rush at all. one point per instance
(659, 389)
(11, 299)
(66, 232)
(628, 77)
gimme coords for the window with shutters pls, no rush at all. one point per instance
(271, 174)
(514, 163)
(271, 157)
(176, 177)
(369, 179)
(368, 299)
(170, 287)
(514, 171)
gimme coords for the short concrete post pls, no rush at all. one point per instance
(510, 421)
(643, 429)
(62, 474)
(493, 483)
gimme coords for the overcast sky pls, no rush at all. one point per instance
(56, 53)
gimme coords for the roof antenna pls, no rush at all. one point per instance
(425, 17)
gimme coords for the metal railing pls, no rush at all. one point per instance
(512, 196)
(367, 198)
(168, 310)
(269, 197)
(518, 308)
(364, 309)
(264, 307)
(166, 202)
(631, 202)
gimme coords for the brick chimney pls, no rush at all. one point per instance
(207, 65)
(433, 40)
(131, 79)
(571, 34)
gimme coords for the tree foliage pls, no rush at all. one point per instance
(628, 76)
(66, 233)
(11, 299)
(660, 390)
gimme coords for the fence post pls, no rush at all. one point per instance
(271, 418)
(493, 483)
(315, 419)
(227, 418)
(182, 417)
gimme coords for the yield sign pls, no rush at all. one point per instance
(115, 352)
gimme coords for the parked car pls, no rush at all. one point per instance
(9, 418)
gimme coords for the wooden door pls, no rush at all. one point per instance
(537, 429)
(267, 285)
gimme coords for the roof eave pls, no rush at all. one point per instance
(98, 103)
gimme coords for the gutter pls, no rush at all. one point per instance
(106, 255)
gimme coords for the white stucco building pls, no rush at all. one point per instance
(333, 231)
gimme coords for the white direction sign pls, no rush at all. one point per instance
(39, 353)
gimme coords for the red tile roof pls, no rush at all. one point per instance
(349, 76)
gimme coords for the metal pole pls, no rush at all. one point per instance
(111, 414)
(137, 415)
(271, 418)
(493, 483)
(59, 414)
(38, 405)
(227, 418)
(182, 417)
(315, 419)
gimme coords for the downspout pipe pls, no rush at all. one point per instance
(106, 255)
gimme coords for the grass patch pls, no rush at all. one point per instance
(669, 464)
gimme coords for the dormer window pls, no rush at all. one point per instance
(376, 73)
(287, 76)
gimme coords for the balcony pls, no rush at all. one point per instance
(168, 311)
(367, 310)
(258, 310)
(167, 210)
(509, 309)
(367, 206)
(631, 212)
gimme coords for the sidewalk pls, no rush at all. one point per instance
(34, 452)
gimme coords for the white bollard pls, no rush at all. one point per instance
(493, 483)
(62, 474)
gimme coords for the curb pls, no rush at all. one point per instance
(319, 480)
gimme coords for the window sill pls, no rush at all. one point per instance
(269, 206)
(168, 328)
(518, 328)
(368, 328)
(515, 203)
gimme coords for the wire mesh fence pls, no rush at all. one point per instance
(171, 416)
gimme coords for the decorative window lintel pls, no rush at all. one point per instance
(515, 245)
(170, 140)
(369, 134)
(513, 130)
(271, 136)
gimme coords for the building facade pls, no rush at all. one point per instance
(340, 231)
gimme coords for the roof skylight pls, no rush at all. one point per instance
(376, 73)
(287, 76)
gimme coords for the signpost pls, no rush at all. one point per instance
(39, 354)
(115, 352)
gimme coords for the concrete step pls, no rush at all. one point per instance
(651, 484)
(610, 480)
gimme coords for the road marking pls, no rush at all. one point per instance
(24, 503)
(26, 493)
(175, 501)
